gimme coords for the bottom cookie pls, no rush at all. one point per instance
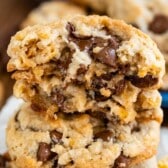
(78, 141)
(5, 162)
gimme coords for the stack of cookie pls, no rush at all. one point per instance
(90, 85)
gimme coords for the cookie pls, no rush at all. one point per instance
(88, 63)
(151, 17)
(97, 5)
(163, 163)
(78, 140)
(149, 163)
(51, 11)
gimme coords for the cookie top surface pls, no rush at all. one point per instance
(75, 140)
(34, 45)
(87, 63)
(51, 11)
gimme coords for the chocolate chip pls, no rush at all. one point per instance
(56, 165)
(98, 83)
(99, 97)
(64, 60)
(105, 135)
(2, 162)
(122, 162)
(135, 25)
(96, 114)
(70, 27)
(58, 98)
(144, 82)
(120, 86)
(107, 55)
(107, 76)
(80, 75)
(44, 153)
(124, 69)
(83, 42)
(55, 136)
(135, 129)
(159, 24)
(99, 42)
(37, 107)
(81, 70)
(99, 115)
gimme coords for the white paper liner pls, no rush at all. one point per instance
(13, 105)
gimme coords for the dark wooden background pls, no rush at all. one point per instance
(12, 13)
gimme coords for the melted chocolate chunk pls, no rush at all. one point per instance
(37, 107)
(44, 153)
(84, 43)
(97, 114)
(159, 24)
(58, 98)
(55, 136)
(98, 83)
(80, 75)
(81, 70)
(144, 82)
(56, 165)
(135, 129)
(70, 27)
(108, 76)
(122, 162)
(64, 60)
(135, 25)
(120, 86)
(106, 55)
(105, 135)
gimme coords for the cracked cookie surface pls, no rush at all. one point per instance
(78, 140)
